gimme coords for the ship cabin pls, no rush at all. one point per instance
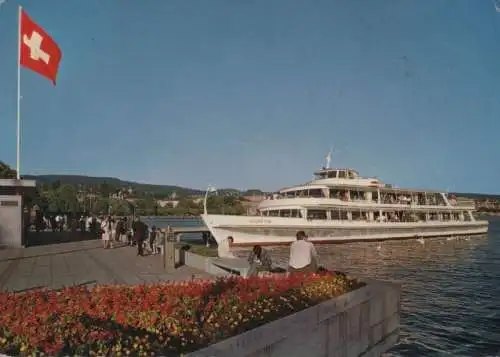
(335, 173)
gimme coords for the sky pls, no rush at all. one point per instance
(253, 94)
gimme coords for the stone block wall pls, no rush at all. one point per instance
(362, 323)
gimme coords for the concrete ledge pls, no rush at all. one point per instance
(211, 265)
(362, 323)
(238, 266)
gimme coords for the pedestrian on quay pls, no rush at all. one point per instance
(140, 231)
(106, 233)
(152, 239)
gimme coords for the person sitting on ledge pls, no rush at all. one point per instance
(262, 256)
(303, 255)
(224, 248)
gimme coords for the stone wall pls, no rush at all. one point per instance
(11, 226)
(199, 262)
(362, 323)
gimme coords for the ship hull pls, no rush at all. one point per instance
(250, 230)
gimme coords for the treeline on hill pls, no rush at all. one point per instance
(489, 209)
(102, 195)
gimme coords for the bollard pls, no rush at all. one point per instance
(169, 249)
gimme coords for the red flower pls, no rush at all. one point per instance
(181, 317)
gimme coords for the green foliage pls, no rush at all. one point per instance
(67, 198)
(77, 194)
(6, 172)
(488, 209)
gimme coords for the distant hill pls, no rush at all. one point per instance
(166, 190)
(158, 190)
(77, 180)
(477, 196)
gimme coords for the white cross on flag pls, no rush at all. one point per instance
(39, 52)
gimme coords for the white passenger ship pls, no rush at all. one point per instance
(339, 206)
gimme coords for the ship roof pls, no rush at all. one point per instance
(324, 169)
(408, 190)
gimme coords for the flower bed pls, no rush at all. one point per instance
(163, 319)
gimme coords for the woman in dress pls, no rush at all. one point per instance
(106, 232)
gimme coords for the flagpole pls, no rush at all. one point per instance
(18, 144)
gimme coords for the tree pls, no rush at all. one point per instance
(6, 172)
(55, 185)
(145, 206)
(119, 207)
(100, 206)
(105, 189)
(68, 199)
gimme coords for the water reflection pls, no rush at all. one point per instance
(450, 304)
(393, 259)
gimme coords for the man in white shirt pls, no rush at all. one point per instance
(224, 248)
(303, 255)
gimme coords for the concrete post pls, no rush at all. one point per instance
(169, 249)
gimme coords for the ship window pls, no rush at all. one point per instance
(274, 213)
(467, 216)
(285, 213)
(342, 174)
(295, 213)
(421, 217)
(316, 214)
(356, 215)
(339, 215)
(321, 175)
(350, 174)
(317, 192)
(332, 174)
(335, 193)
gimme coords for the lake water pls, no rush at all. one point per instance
(451, 288)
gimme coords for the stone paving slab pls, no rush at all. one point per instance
(86, 262)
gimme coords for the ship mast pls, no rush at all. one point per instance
(328, 159)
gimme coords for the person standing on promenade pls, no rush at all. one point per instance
(152, 239)
(303, 255)
(140, 230)
(121, 230)
(106, 232)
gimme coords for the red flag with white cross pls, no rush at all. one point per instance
(38, 51)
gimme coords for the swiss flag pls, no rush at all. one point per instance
(39, 52)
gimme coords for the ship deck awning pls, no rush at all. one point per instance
(407, 190)
(303, 187)
(385, 208)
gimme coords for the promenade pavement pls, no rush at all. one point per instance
(84, 263)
